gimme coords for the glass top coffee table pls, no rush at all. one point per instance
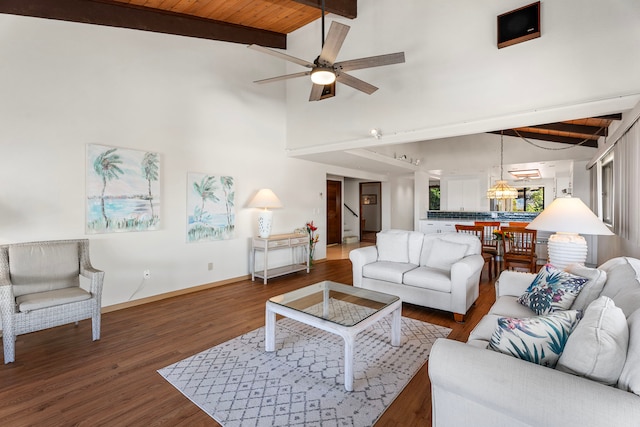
(340, 309)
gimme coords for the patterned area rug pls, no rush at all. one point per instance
(302, 382)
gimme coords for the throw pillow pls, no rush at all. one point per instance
(597, 348)
(592, 289)
(539, 339)
(551, 290)
(393, 247)
(444, 254)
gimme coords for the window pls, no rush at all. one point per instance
(434, 197)
(607, 191)
(530, 199)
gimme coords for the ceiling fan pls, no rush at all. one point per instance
(324, 71)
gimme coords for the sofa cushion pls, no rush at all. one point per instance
(444, 254)
(597, 348)
(484, 329)
(508, 306)
(393, 246)
(387, 270)
(428, 278)
(43, 267)
(46, 299)
(623, 283)
(539, 339)
(415, 246)
(552, 290)
(592, 289)
(630, 376)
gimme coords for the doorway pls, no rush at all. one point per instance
(370, 211)
(334, 212)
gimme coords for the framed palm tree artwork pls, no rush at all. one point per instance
(210, 207)
(123, 190)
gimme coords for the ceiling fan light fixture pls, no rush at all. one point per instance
(323, 76)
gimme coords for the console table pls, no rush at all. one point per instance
(276, 242)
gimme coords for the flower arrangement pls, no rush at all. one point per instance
(313, 239)
(499, 235)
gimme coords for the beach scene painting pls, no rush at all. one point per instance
(210, 207)
(123, 190)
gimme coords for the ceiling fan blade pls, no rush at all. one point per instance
(356, 83)
(333, 42)
(371, 61)
(284, 77)
(281, 55)
(316, 92)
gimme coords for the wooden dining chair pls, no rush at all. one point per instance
(518, 224)
(478, 231)
(489, 242)
(519, 248)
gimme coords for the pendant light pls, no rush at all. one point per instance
(501, 190)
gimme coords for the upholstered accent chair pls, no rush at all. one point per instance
(40, 288)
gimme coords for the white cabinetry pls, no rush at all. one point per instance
(463, 195)
(435, 226)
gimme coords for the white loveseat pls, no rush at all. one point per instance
(439, 271)
(474, 385)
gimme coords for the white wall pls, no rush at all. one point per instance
(65, 85)
(402, 200)
(455, 81)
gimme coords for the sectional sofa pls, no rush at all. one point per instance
(595, 382)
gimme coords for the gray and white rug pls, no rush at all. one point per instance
(302, 382)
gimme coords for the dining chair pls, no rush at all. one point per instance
(519, 248)
(478, 231)
(490, 243)
(518, 224)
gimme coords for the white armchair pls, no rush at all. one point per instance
(40, 288)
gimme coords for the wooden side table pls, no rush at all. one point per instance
(275, 242)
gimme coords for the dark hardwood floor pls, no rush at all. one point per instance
(62, 378)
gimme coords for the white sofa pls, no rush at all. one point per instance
(439, 271)
(474, 385)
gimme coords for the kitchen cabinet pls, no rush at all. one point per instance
(435, 226)
(463, 194)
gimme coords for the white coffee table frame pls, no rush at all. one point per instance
(348, 333)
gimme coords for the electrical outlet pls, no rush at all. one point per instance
(210, 266)
(146, 274)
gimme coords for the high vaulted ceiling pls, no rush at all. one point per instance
(263, 22)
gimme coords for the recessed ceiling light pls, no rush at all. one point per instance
(526, 173)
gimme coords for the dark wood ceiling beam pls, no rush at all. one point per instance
(121, 15)
(546, 137)
(615, 116)
(346, 8)
(573, 128)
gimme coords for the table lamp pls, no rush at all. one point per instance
(568, 217)
(264, 200)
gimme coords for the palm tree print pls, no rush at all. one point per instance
(206, 189)
(150, 169)
(106, 166)
(229, 195)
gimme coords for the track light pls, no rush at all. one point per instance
(376, 133)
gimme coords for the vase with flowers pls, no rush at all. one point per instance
(313, 239)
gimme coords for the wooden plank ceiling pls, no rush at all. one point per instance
(264, 22)
(576, 132)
